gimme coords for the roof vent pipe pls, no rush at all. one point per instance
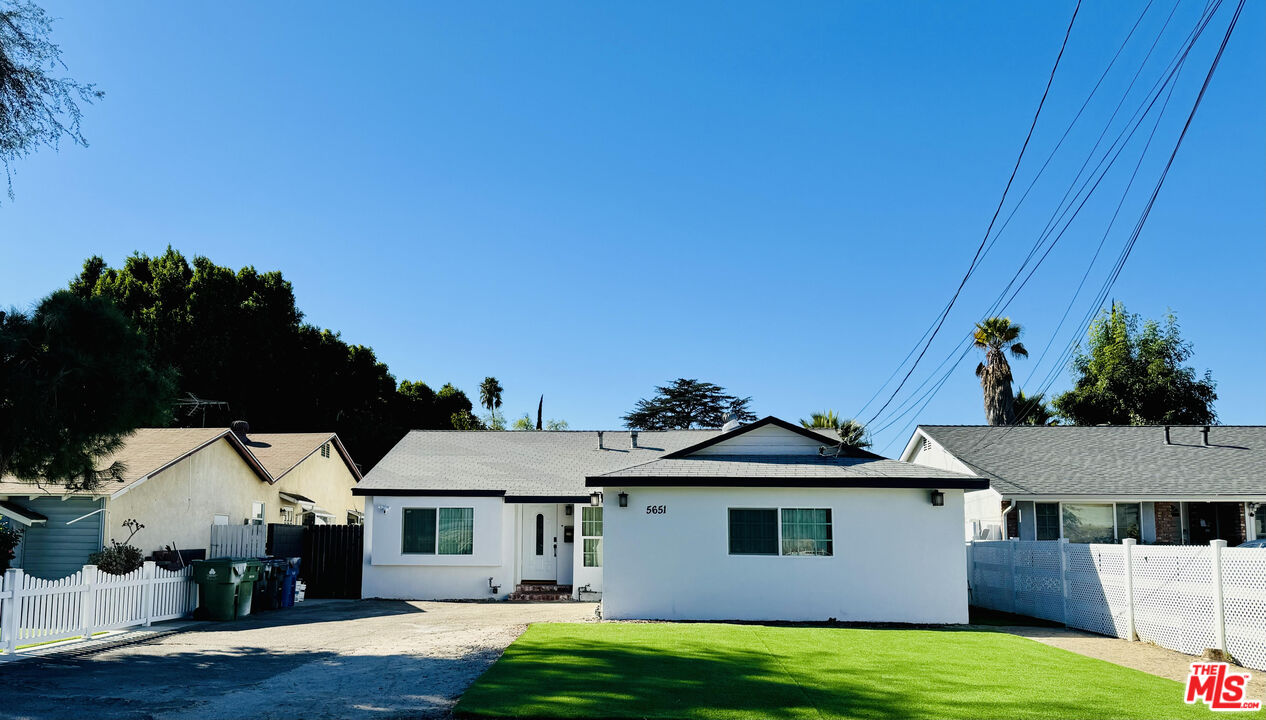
(240, 428)
(600, 440)
(633, 436)
(1167, 436)
(1204, 435)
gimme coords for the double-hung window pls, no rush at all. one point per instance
(591, 535)
(1046, 516)
(785, 531)
(438, 531)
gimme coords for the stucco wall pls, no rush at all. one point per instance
(896, 559)
(389, 573)
(179, 504)
(324, 479)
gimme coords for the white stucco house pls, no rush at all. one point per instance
(765, 521)
(1175, 485)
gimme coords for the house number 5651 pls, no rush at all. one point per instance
(656, 509)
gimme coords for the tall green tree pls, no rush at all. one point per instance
(1134, 372)
(687, 403)
(852, 432)
(238, 337)
(37, 106)
(1033, 410)
(75, 379)
(997, 336)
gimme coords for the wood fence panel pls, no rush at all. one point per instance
(238, 540)
(332, 559)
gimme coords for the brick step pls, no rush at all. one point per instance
(539, 597)
(542, 588)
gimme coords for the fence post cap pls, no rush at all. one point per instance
(1129, 541)
(1217, 543)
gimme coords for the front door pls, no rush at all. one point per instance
(540, 543)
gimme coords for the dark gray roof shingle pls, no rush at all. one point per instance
(1110, 460)
(545, 463)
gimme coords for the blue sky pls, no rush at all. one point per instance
(587, 200)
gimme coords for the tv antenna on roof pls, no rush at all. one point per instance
(195, 403)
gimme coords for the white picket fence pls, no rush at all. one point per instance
(1188, 599)
(238, 540)
(33, 610)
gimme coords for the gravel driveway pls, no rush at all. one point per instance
(322, 659)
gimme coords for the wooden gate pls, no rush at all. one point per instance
(331, 556)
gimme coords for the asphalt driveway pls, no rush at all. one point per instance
(321, 659)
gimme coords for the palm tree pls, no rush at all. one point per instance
(996, 336)
(490, 394)
(852, 432)
(1033, 410)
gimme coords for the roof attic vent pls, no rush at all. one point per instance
(1204, 435)
(633, 438)
(731, 423)
(1167, 442)
(600, 440)
(240, 428)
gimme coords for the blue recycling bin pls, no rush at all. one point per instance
(288, 582)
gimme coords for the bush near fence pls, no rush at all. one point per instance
(36, 611)
(1184, 598)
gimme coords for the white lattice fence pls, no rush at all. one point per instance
(1185, 598)
(1244, 597)
(33, 610)
(1173, 597)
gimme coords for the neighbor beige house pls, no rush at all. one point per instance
(178, 482)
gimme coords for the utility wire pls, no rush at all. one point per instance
(976, 258)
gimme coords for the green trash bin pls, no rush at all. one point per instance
(218, 582)
(246, 587)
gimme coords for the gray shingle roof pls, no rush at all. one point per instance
(791, 469)
(544, 463)
(1111, 460)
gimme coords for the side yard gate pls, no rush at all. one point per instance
(332, 556)
(1184, 598)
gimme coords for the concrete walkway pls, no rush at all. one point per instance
(1138, 655)
(321, 659)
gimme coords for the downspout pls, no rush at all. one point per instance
(1010, 506)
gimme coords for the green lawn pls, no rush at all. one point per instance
(667, 670)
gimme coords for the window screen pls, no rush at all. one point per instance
(457, 531)
(753, 531)
(1047, 520)
(806, 531)
(419, 531)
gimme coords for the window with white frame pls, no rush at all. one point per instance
(287, 515)
(780, 531)
(257, 514)
(591, 535)
(438, 531)
(1100, 522)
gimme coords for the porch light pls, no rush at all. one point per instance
(938, 498)
(595, 499)
(624, 499)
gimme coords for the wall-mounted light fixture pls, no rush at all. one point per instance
(624, 499)
(383, 508)
(595, 499)
(938, 498)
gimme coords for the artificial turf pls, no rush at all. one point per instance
(714, 670)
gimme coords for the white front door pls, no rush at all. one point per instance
(540, 543)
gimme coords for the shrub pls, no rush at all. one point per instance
(9, 539)
(118, 559)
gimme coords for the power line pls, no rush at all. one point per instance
(975, 258)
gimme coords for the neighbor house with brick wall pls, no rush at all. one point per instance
(1175, 485)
